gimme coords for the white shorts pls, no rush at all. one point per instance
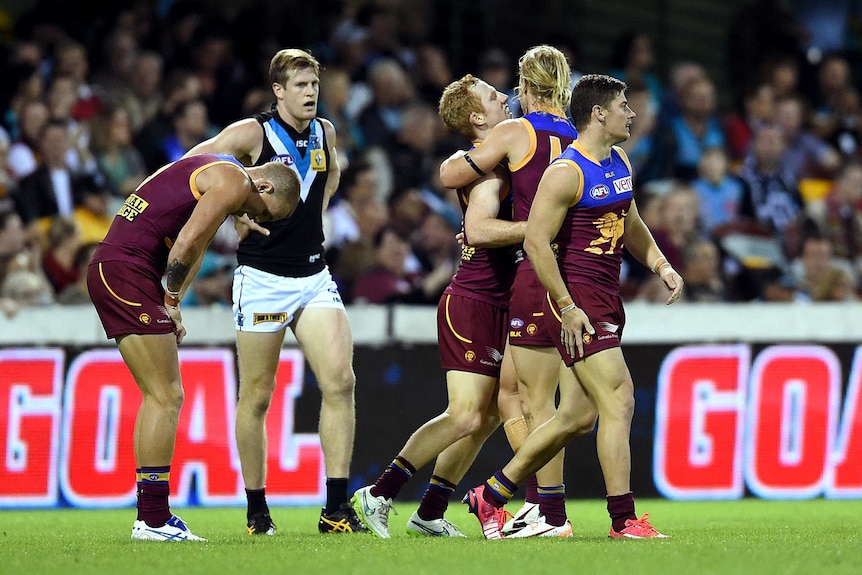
(265, 302)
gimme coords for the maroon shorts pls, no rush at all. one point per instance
(128, 298)
(471, 335)
(526, 316)
(606, 315)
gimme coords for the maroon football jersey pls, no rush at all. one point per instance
(151, 218)
(485, 274)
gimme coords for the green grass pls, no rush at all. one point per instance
(749, 536)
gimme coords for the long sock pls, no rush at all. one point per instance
(436, 498)
(620, 508)
(395, 476)
(256, 502)
(531, 489)
(499, 489)
(552, 504)
(336, 494)
(154, 488)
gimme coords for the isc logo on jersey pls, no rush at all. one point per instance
(599, 192)
(285, 159)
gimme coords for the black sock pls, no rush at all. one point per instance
(256, 502)
(336, 494)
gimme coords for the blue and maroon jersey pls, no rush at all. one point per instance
(485, 274)
(151, 218)
(549, 136)
(590, 240)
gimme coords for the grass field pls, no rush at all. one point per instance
(749, 536)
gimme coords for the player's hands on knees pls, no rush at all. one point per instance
(574, 323)
(673, 281)
(244, 225)
(177, 318)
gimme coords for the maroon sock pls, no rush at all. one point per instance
(436, 499)
(499, 489)
(391, 481)
(531, 488)
(620, 508)
(552, 504)
(153, 492)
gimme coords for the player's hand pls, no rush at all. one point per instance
(244, 225)
(177, 318)
(574, 323)
(672, 281)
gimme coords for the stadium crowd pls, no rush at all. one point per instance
(758, 200)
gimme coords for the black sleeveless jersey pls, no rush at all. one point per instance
(294, 247)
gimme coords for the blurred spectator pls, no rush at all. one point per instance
(680, 223)
(783, 74)
(702, 272)
(63, 240)
(334, 97)
(190, 126)
(633, 62)
(497, 69)
(212, 284)
(391, 88)
(142, 97)
(639, 146)
(835, 286)
(411, 150)
(358, 187)
(117, 64)
(682, 73)
(23, 289)
(7, 182)
(434, 73)
(77, 293)
(51, 189)
(833, 77)
(846, 135)
(93, 209)
(719, 192)
(24, 85)
(388, 281)
(439, 252)
(806, 155)
(71, 61)
(682, 140)
(117, 158)
(839, 214)
(61, 101)
(757, 107)
(770, 194)
(22, 152)
(13, 243)
(813, 267)
(180, 87)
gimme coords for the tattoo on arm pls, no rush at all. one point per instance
(176, 277)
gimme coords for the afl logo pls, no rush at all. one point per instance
(531, 329)
(599, 192)
(470, 356)
(285, 159)
(144, 318)
(517, 323)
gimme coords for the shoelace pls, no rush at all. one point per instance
(642, 523)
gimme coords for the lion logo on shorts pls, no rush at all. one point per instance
(587, 338)
(145, 318)
(470, 356)
(531, 329)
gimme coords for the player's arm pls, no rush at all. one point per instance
(334, 169)
(456, 171)
(242, 140)
(560, 187)
(224, 188)
(642, 245)
(481, 226)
